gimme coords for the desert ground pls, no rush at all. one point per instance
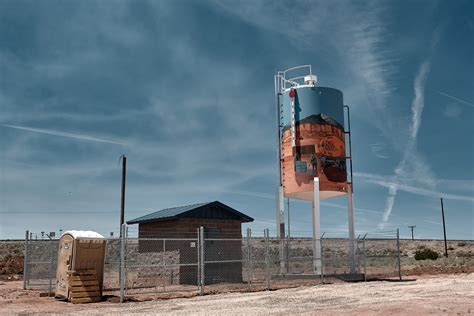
(440, 294)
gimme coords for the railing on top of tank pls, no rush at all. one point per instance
(283, 83)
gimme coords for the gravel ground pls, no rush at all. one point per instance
(442, 294)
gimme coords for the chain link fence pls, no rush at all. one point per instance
(160, 265)
(206, 264)
(380, 254)
(41, 257)
(111, 283)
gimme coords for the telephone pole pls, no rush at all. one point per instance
(122, 197)
(444, 230)
(411, 227)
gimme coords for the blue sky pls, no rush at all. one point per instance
(185, 90)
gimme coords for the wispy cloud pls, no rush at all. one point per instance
(343, 207)
(63, 134)
(456, 99)
(251, 194)
(419, 101)
(273, 196)
(378, 149)
(358, 46)
(453, 110)
(399, 183)
(417, 106)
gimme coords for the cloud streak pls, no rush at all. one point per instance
(419, 101)
(63, 134)
(402, 184)
(378, 150)
(456, 99)
(417, 106)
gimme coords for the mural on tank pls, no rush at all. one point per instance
(319, 151)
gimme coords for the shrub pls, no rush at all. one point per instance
(461, 244)
(426, 253)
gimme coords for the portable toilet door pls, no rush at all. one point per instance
(79, 250)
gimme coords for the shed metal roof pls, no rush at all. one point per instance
(201, 210)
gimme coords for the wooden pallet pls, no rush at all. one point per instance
(84, 286)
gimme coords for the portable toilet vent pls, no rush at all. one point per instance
(80, 272)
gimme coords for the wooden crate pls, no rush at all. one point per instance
(84, 287)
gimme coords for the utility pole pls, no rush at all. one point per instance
(444, 230)
(122, 200)
(411, 227)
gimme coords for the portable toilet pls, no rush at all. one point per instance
(80, 252)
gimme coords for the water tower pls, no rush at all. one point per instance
(314, 153)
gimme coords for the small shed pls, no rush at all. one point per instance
(222, 234)
(79, 251)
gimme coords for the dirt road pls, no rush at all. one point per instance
(442, 294)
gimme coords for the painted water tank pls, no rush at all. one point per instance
(312, 142)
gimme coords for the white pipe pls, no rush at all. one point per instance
(350, 213)
(316, 229)
(293, 123)
(280, 213)
(281, 228)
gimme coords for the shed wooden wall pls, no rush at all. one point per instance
(187, 228)
(215, 250)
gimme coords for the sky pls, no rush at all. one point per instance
(185, 90)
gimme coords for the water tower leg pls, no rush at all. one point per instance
(280, 214)
(316, 229)
(350, 210)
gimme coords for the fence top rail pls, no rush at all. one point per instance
(224, 239)
(42, 240)
(225, 261)
(160, 239)
(274, 239)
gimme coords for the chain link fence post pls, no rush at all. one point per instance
(398, 255)
(164, 268)
(202, 264)
(249, 259)
(322, 257)
(267, 259)
(198, 249)
(365, 258)
(357, 249)
(288, 254)
(51, 246)
(25, 260)
(122, 273)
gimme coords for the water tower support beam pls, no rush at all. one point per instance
(350, 211)
(280, 216)
(316, 229)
